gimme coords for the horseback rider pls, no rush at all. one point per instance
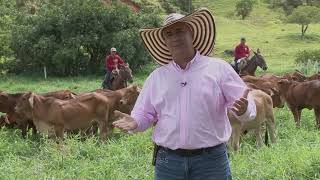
(112, 62)
(241, 51)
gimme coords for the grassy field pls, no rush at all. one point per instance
(295, 156)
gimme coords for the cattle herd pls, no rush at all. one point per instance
(270, 91)
(55, 113)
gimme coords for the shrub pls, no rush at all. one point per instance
(72, 38)
(305, 15)
(308, 61)
(303, 57)
(244, 8)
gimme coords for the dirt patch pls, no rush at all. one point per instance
(134, 6)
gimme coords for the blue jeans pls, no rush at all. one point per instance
(106, 84)
(236, 65)
(211, 165)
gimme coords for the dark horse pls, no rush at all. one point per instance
(250, 65)
(119, 78)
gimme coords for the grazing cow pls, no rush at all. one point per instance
(264, 116)
(271, 77)
(314, 77)
(9, 101)
(300, 95)
(267, 86)
(54, 116)
(299, 76)
(295, 76)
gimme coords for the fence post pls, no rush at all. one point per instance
(45, 72)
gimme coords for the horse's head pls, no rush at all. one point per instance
(261, 62)
(125, 72)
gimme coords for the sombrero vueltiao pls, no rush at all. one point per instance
(202, 25)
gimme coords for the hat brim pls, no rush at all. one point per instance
(202, 25)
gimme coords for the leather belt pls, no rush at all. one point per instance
(190, 152)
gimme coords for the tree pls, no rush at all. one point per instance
(289, 5)
(7, 13)
(244, 7)
(305, 15)
(73, 38)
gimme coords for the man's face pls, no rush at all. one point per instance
(113, 53)
(243, 41)
(178, 38)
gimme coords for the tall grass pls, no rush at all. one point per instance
(309, 68)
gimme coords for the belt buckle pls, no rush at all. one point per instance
(194, 152)
(189, 153)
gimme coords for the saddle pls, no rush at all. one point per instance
(242, 63)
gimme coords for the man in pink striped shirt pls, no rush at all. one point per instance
(187, 99)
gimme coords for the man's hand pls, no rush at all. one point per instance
(240, 106)
(125, 122)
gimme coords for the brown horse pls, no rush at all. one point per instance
(120, 77)
(250, 65)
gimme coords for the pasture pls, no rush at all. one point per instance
(296, 155)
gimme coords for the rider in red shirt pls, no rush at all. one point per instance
(111, 63)
(113, 60)
(241, 51)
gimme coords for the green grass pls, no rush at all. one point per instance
(295, 156)
(279, 42)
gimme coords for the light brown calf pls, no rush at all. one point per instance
(264, 116)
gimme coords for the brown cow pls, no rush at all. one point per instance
(124, 98)
(271, 77)
(264, 116)
(128, 97)
(267, 86)
(300, 95)
(9, 101)
(300, 77)
(54, 116)
(313, 77)
(295, 76)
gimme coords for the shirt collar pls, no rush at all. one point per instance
(194, 59)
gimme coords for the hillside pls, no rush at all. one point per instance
(264, 29)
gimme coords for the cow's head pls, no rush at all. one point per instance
(67, 94)
(25, 104)
(277, 99)
(130, 96)
(284, 85)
